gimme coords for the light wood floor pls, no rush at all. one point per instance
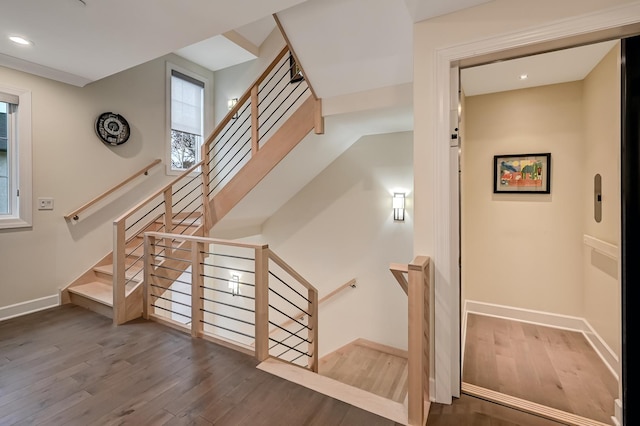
(552, 367)
(370, 367)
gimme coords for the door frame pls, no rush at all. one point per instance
(603, 25)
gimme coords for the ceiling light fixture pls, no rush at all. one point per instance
(20, 40)
(523, 76)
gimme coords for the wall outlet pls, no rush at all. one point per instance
(45, 203)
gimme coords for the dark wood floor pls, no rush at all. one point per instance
(69, 366)
(548, 366)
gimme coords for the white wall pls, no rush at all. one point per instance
(72, 165)
(340, 226)
(233, 81)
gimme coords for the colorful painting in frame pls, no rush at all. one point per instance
(522, 173)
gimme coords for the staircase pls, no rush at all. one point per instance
(268, 121)
(94, 289)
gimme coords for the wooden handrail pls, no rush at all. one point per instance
(194, 251)
(156, 194)
(351, 283)
(281, 263)
(293, 53)
(242, 99)
(144, 171)
(193, 238)
(398, 270)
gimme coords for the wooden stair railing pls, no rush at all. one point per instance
(75, 215)
(268, 121)
(272, 117)
(230, 293)
(351, 283)
(417, 286)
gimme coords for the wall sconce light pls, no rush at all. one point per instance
(231, 103)
(398, 206)
(234, 285)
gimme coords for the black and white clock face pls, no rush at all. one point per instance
(112, 128)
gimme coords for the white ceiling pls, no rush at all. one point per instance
(345, 46)
(78, 42)
(561, 66)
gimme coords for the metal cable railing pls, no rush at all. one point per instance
(185, 206)
(177, 208)
(291, 320)
(239, 294)
(257, 116)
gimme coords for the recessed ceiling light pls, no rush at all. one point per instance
(20, 40)
(523, 76)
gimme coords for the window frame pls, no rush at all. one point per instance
(19, 147)
(205, 111)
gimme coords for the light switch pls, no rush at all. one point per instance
(45, 203)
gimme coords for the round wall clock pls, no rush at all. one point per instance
(112, 129)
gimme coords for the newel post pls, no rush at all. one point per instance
(313, 329)
(168, 220)
(262, 302)
(206, 206)
(119, 302)
(255, 135)
(416, 361)
(149, 244)
(197, 288)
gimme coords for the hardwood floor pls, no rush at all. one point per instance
(370, 367)
(472, 411)
(548, 366)
(69, 366)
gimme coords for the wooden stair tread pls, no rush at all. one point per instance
(132, 273)
(96, 291)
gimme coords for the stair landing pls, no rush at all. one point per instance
(369, 366)
(352, 395)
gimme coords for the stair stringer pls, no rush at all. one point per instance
(288, 136)
(133, 295)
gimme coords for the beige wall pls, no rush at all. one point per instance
(71, 165)
(524, 250)
(538, 238)
(601, 109)
(233, 81)
(340, 226)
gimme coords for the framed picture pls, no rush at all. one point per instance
(522, 173)
(294, 70)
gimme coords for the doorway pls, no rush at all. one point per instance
(542, 266)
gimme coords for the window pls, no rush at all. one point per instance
(15, 158)
(186, 113)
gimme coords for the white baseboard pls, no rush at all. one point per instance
(546, 319)
(23, 308)
(617, 418)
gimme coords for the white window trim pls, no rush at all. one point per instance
(23, 218)
(207, 113)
